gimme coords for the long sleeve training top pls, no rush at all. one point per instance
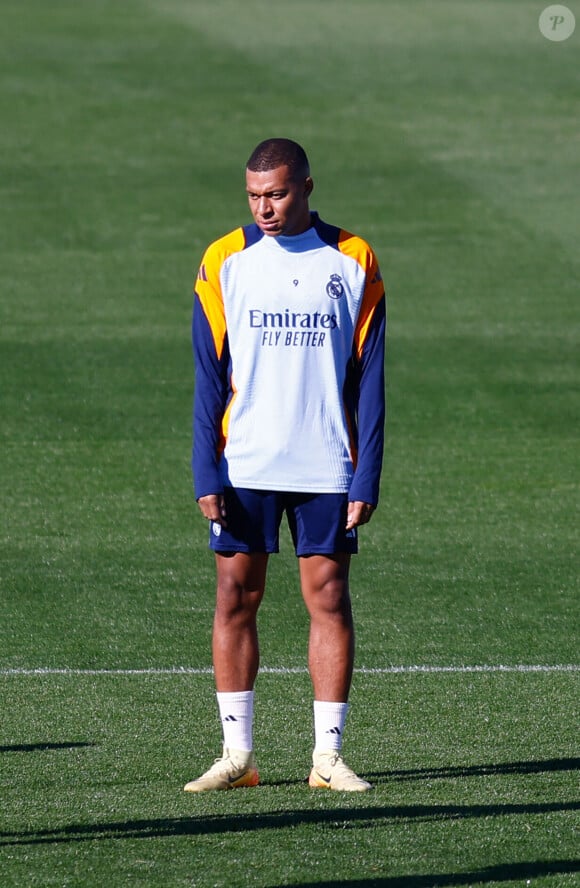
(289, 341)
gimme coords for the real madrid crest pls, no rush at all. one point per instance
(334, 287)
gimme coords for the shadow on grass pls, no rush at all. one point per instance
(537, 767)
(451, 772)
(379, 777)
(503, 872)
(337, 818)
(42, 747)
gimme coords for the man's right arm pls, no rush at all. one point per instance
(211, 356)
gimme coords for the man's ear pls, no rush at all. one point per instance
(309, 186)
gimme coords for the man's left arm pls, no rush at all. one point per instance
(364, 490)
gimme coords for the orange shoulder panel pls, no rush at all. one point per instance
(358, 249)
(208, 286)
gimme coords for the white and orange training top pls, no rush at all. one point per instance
(289, 338)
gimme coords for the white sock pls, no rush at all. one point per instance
(329, 719)
(237, 715)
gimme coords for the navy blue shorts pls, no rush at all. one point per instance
(317, 522)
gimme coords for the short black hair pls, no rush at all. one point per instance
(273, 153)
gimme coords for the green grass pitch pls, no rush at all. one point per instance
(445, 133)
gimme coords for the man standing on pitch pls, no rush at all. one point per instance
(288, 335)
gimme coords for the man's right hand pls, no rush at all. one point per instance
(213, 507)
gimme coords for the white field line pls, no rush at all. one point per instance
(295, 670)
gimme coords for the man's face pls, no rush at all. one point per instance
(279, 203)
